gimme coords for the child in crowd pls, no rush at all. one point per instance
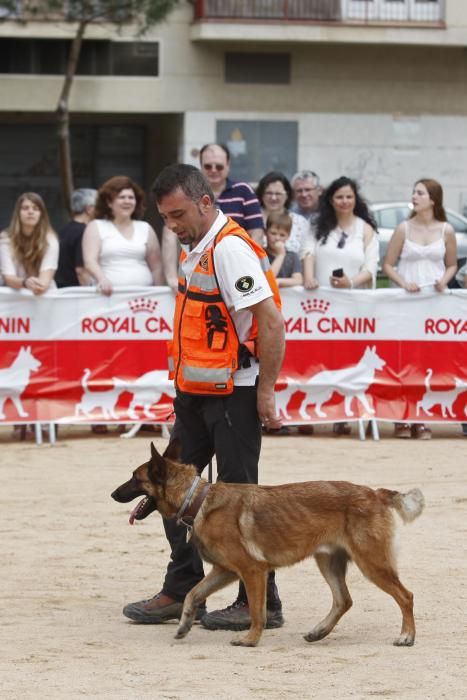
(285, 264)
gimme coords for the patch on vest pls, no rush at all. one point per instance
(244, 284)
(203, 262)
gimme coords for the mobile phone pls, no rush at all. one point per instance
(339, 272)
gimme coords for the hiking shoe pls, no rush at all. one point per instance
(161, 608)
(421, 432)
(236, 617)
(402, 430)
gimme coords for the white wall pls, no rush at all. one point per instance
(386, 153)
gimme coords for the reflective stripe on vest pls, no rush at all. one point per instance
(204, 282)
(218, 375)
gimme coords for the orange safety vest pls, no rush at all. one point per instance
(204, 352)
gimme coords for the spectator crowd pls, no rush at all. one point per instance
(313, 236)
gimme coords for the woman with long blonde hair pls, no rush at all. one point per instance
(422, 253)
(29, 246)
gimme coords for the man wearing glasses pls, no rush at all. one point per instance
(234, 199)
(306, 188)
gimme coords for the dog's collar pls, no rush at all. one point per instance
(189, 509)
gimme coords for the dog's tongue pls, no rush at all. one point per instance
(135, 510)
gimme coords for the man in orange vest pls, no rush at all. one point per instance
(225, 358)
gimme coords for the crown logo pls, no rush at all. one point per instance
(317, 306)
(142, 305)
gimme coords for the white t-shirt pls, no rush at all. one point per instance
(9, 266)
(123, 260)
(353, 257)
(234, 260)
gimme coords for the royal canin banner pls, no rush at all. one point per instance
(74, 356)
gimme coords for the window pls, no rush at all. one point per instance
(49, 57)
(257, 147)
(265, 68)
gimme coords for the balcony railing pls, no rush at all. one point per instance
(338, 11)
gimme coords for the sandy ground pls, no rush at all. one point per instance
(70, 562)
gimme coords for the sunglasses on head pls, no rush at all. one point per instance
(342, 240)
(214, 166)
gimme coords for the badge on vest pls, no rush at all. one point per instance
(244, 284)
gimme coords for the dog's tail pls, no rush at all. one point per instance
(409, 505)
(429, 374)
(84, 379)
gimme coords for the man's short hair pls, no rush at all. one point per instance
(219, 145)
(281, 219)
(83, 198)
(181, 176)
(305, 175)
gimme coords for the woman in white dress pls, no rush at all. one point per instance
(275, 195)
(29, 247)
(118, 248)
(422, 253)
(343, 251)
(345, 241)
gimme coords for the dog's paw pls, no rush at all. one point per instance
(315, 635)
(405, 640)
(244, 641)
(182, 631)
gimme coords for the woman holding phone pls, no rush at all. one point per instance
(344, 251)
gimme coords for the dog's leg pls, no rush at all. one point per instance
(19, 407)
(365, 403)
(302, 409)
(255, 584)
(333, 567)
(348, 405)
(131, 412)
(375, 566)
(216, 579)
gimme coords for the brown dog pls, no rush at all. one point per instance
(245, 530)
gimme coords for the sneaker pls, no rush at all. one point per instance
(402, 430)
(236, 617)
(158, 609)
(341, 429)
(421, 432)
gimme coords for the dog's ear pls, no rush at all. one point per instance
(157, 467)
(173, 450)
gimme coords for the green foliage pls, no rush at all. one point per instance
(144, 13)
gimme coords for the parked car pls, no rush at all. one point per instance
(388, 215)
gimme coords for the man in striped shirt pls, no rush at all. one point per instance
(234, 199)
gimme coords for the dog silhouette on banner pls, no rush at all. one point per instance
(15, 378)
(444, 399)
(350, 382)
(146, 391)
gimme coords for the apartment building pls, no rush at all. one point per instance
(375, 89)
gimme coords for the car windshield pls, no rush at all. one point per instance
(391, 217)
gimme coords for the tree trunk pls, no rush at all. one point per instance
(63, 119)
